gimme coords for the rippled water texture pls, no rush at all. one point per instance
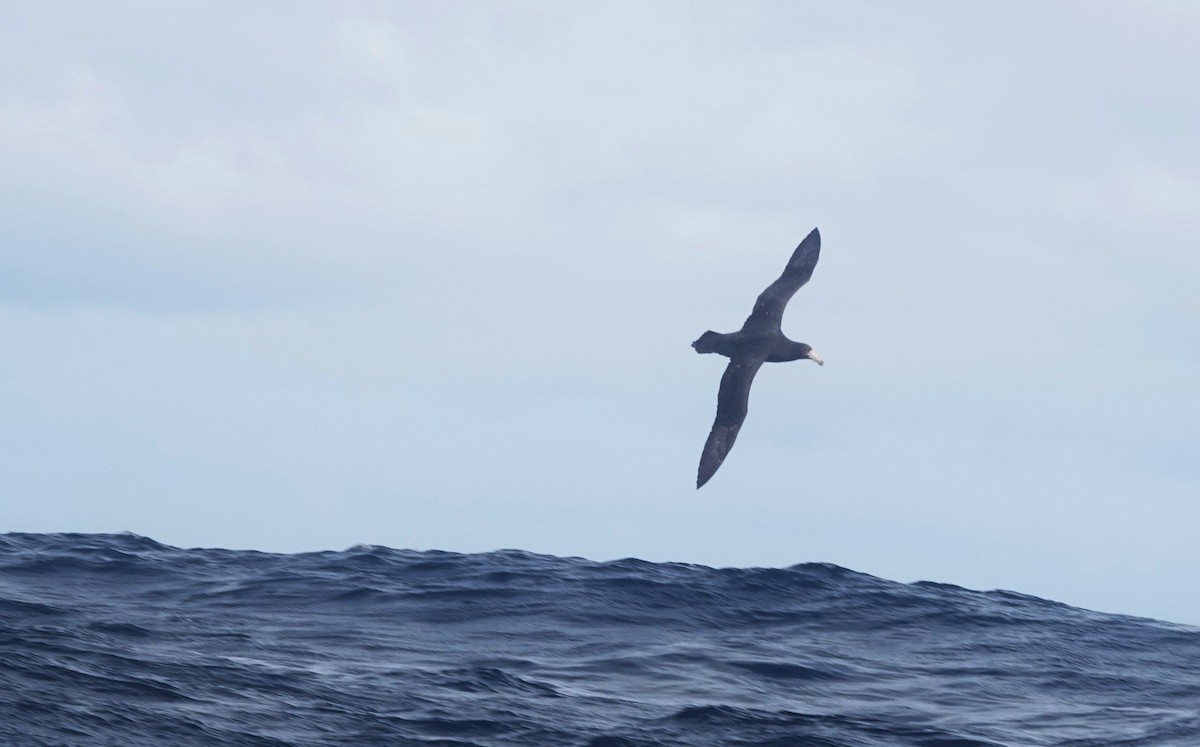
(118, 640)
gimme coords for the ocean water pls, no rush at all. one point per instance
(119, 640)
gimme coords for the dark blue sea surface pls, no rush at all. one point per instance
(119, 640)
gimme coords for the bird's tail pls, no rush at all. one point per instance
(704, 343)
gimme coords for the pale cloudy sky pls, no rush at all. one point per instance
(296, 276)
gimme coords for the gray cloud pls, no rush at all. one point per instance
(422, 275)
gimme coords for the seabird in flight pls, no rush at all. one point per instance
(760, 340)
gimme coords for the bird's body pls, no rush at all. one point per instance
(760, 340)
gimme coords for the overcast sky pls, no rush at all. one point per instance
(296, 276)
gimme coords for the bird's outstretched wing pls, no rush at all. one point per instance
(733, 401)
(768, 309)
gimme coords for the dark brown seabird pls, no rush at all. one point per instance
(760, 340)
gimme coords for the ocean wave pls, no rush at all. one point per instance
(121, 640)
